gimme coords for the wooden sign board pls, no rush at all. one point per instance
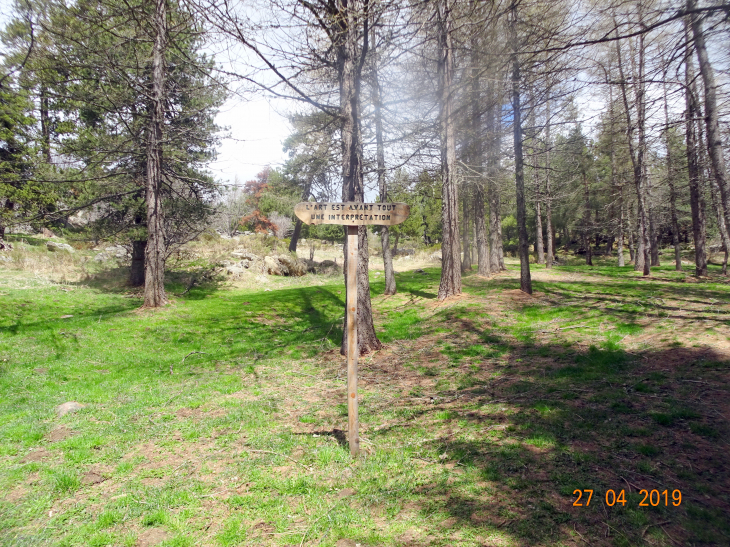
(352, 213)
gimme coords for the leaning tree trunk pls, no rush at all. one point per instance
(155, 253)
(637, 153)
(390, 287)
(450, 284)
(349, 72)
(714, 137)
(715, 197)
(696, 196)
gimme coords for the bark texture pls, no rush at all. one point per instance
(637, 150)
(548, 203)
(450, 284)
(523, 251)
(477, 152)
(390, 287)
(712, 123)
(696, 196)
(349, 68)
(155, 253)
(496, 252)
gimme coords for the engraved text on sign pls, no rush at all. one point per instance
(352, 213)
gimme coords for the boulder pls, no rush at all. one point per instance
(118, 251)
(59, 247)
(435, 256)
(328, 266)
(296, 266)
(68, 408)
(272, 266)
(234, 270)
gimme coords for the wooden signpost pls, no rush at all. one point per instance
(352, 215)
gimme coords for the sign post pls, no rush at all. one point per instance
(352, 215)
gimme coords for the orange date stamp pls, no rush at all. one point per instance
(651, 498)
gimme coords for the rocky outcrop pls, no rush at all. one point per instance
(118, 252)
(59, 247)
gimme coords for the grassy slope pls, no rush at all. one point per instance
(480, 418)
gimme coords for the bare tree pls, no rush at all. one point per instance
(450, 284)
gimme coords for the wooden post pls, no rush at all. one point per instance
(352, 215)
(352, 346)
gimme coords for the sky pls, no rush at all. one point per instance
(256, 129)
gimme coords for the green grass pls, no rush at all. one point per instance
(479, 419)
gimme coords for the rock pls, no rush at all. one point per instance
(328, 266)
(295, 266)
(235, 271)
(5, 246)
(244, 254)
(6, 259)
(68, 408)
(435, 256)
(118, 251)
(47, 233)
(272, 266)
(59, 247)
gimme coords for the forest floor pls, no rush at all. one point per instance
(480, 418)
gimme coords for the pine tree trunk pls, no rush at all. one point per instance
(45, 126)
(349, 71)
(137, 271)
(548, 200)
(714, 136)
(672, 189)
(466, 229)
(8, 206)
(390, 287)
(496, 252)
(620, 238)
(587, 221)
(295, 236)
(523, 251)
(298, 226)
(637, 152)
(154, 281)
(696, 196)
(477, 151)
(450, 284)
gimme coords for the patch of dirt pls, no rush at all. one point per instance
(92, 477)
(37, 455)
(16, 494)
(59, 434)
(151, 536)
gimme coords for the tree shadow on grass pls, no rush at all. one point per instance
(546, 421)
